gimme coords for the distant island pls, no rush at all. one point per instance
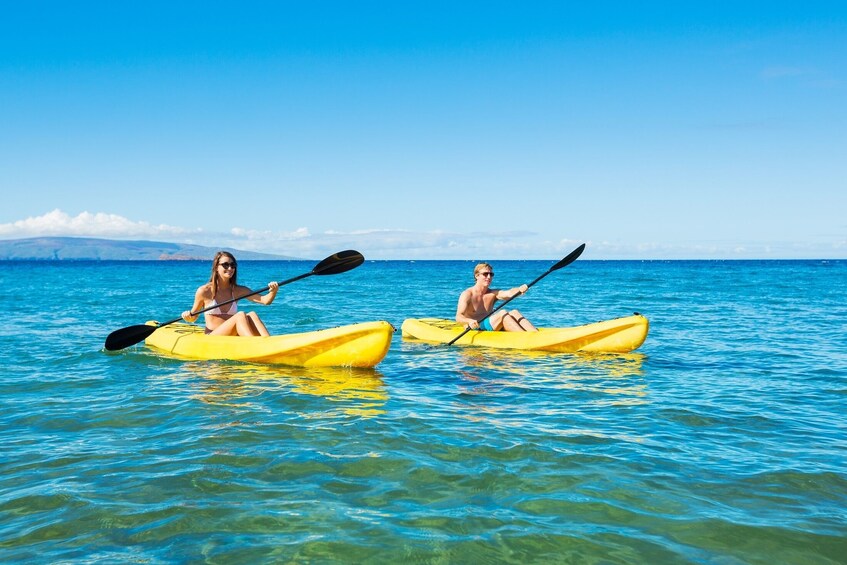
(93, 249)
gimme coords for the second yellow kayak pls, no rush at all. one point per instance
(620, 335)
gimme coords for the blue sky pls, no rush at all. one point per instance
(474, 130)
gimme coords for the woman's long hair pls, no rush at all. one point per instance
(214, 279)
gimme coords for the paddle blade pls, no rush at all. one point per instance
(341, 262)
(572, 256)
(124, 337)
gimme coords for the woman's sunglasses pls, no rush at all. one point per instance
(227, 265)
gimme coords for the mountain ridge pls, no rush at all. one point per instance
(95, 249)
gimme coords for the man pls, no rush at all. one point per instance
(476, 302)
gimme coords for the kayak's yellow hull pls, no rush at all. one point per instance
(620, 335)
(356, 345)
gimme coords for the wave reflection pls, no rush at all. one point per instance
(361, 391)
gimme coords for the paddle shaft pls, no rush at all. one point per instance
(563, 263)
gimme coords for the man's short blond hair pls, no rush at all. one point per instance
(480, 267)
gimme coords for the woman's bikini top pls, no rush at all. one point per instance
(233, 308)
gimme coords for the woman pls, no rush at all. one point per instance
(223, 286)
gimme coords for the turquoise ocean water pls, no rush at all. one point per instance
(722, 440)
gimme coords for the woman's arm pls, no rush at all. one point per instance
(265, 299)
(199, 303)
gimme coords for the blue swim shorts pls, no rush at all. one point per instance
(486, 325)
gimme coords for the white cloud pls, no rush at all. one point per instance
(58, 223)
(257, 235)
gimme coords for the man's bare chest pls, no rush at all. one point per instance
(482, 302)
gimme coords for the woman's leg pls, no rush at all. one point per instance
(240, 324)
(256, 324)
(227, 327)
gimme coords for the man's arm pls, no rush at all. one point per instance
(507, 294)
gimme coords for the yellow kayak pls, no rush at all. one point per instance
(355, 345)
(620, 335)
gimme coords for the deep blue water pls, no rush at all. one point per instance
(722, 440)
